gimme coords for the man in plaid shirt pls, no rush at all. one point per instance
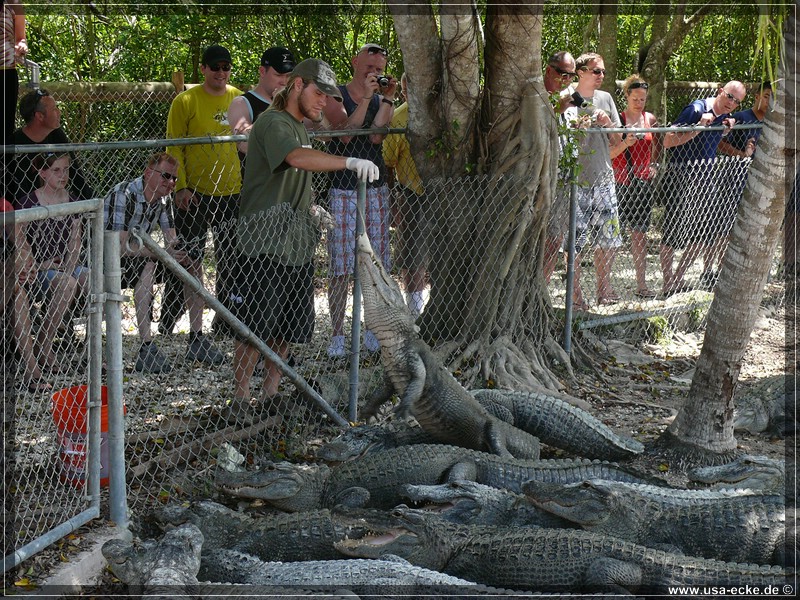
(142, 203)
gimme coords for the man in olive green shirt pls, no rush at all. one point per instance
(278, 229)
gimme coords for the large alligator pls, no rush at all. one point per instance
(770, 405)
(441, 405)
(376, 480)
(542, 559)
(280, 537)
(727, 525)
(471, 503)
(363, 576)
(167, 568)
(558, 423)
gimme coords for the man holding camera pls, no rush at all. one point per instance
(367, 102)
(142, 203)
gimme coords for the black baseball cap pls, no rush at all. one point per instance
(216, 54)
(278, 58)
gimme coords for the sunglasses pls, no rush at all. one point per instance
(167, 176)
(224, 66)
(595, 71)
(638, 85)
(732, 98)
(42, 93)
(564, 74)
(377, 50)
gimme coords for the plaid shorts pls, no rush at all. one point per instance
(342, 239)
(597, 216)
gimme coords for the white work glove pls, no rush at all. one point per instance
(321, 217)
(366, 170)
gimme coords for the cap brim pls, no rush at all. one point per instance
(283, 69)
(330, 90)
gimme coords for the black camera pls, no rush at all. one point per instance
(194, 251)
(638, 135)
(578, 100)
(383, 81)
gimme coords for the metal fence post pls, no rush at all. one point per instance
(573, 217)
(118, 507)
(361, 203)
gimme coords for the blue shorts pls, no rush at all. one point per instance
(45, 278)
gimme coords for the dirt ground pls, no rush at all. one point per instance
(637, 391)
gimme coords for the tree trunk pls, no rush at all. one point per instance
(607, 45)
(489, 211)
(702, 431)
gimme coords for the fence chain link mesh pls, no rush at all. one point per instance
(178, 421)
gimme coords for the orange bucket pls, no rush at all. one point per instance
(70, 417)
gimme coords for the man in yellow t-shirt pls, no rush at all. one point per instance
(409, 204)
(209, 182)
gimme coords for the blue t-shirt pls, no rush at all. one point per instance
(704, 145)
(738, 137)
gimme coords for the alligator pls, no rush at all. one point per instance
(370, 576)
(745, 471)
(441, 405)
(558, 423)
(376, 480)
(279, 537)
(770, 406)
(542, 559)
(168, 569)
(361, 440)
(471, 503)
(727, 525)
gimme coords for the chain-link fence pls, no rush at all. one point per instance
(52, 345)
(195, 395)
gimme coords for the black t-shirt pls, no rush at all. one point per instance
(24, 178)
(358, 147)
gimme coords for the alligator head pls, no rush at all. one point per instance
(415, 535)
(590, 504)
(456, 501)
(747, 471)
(385, 310)
(284, 485)
(353, 442)
(177, 553)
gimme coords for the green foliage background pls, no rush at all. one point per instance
(149, 47)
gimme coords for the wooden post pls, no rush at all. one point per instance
(178, 81)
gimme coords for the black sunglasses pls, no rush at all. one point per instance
(167, 176)
(224, 66)
(638, 85)
(732, 98)
(595, 71)
(377, 50)
(42, 93)
(564, 74)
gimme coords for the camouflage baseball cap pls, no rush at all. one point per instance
(320, 73)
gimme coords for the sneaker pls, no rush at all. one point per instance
(203, 350)
(150, 360)
(336, 349)
(371, 342)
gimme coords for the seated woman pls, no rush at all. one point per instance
(18, 269)
(56, 246)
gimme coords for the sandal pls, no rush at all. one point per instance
(645, 293)
(677, 289)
